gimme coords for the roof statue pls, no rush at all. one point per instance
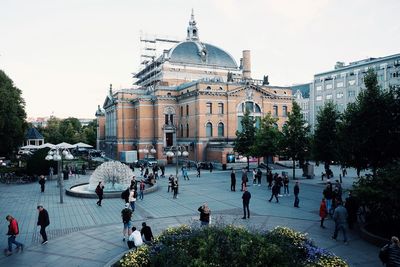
(265, 80)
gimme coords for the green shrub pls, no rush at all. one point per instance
(227, 245)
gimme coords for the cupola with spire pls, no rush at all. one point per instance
(192, 31)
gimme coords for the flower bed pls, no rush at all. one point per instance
(227, 245)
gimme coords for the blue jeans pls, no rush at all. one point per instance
(11, 240)
(132, 205)
(340, 226)
(329, 205)
(141, 194)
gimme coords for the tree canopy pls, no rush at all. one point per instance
(296, 140)
(245, 139)
(12, 116)
(325, 141)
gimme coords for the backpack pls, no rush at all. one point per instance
(384, 254)
(97, 190)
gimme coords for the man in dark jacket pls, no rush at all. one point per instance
(42, 182)
(296, 191)
(340, 218)
(99, 193)
(275, 192)
(43, 222)
(233, 180)
(246, 201)
(12, 233)
(351, 206)
(147, 233)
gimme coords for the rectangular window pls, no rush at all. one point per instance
(339, 84)
(329, 96)
(351, 93)
(352, 82)
(328, 86)
(187, 110)
(181, 111)
(209, 108)
(166, 118)
(275, 111)
(318, 98)
(171, 119)
(339, 95)
(221, 108)
(319, 87)
(284, 111)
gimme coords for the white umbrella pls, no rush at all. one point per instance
(64, 145)
(49, 145)
(30, 147)
(82, 145)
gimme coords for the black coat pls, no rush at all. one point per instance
(43, 219)
(233, 178)
(296, 190)
(246, 197)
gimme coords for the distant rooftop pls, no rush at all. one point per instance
(33, 133)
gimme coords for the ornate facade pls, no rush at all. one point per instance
(194, 95)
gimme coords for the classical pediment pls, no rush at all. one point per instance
(250, 90)
(108, 101)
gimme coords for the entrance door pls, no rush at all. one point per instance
(169, 138)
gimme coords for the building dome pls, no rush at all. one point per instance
(194, 52)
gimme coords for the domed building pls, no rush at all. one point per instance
(192, 96)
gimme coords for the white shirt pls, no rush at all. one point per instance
(136, 237)
(131, 196)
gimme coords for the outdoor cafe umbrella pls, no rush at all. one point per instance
(64, 145)
(82, 145)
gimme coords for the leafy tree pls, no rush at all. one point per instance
(245, 138)
(12, 116)
(267, 138)
(70, 129)
(51, 132)
(325, 141)
(370, 130)
(89, 133)
(296, 141)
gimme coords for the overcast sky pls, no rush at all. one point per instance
(63, 54)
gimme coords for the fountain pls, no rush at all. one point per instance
(115, 176)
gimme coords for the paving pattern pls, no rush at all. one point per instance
(83, 234)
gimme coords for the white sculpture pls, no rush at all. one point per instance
(115, 176)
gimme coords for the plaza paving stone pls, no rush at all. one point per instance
(83, 234)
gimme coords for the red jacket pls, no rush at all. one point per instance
(322, 210)
(13, 228)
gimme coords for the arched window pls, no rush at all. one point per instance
(254, 112)
(220, 129)
(181, 130)
(209, 129)
(208, 88)
(187, 130)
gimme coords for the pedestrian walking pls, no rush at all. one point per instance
(126, 215)
(205, 214)
(198, 168)
(254, 177)
(259, 175)
(13, 231)
(244, 179)
(170, 182)
(275, 192)
(99, 193)
(211, 167)
(328, 197)
(162, 168)
(296, 191)
(42, 182)
(132, 198)
(340, 218)
(185, 173)
(125, 195)
(323, 212)
(390, 253)
(233, 180)
(146, 233)
(286, 185)
(51, 173)
(141, 189)
(246, 202)
(43, 222)
(175, 187)
(351, 206)
(269, 179)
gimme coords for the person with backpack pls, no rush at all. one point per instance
(99, 193)
(126, 215)
(390, 253)
(13, 231)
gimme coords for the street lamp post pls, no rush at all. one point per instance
(58, 154)
(176, 151)
(146, 151)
